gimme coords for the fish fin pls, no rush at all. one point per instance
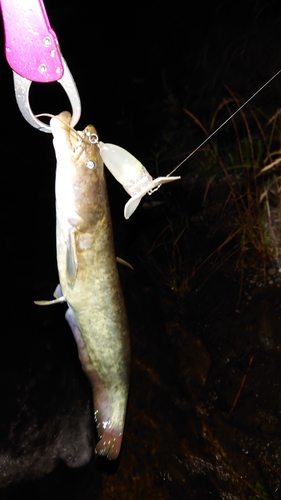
(71, 258)
(82, 349)
(49, 302)
(124, 263)
(110, 444)
(58, 292)
(110, 438)
(58, 298)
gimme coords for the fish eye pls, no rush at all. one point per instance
(90, 164)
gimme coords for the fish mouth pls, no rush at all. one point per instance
(71, 141)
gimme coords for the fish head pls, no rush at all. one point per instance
(80, 183)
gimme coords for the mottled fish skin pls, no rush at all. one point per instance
(89, 278)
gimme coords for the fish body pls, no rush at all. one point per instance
(89, 280)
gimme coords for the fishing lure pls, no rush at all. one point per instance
(130, 172)
(134, 177)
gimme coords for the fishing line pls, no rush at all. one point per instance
(49, 115)
(222, 125)
(128, 171)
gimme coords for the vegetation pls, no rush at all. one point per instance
(245, 157)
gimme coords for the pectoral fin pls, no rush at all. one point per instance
(58, 298)
(71, 258)
(49, 302)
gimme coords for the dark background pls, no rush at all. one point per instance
(136, 67)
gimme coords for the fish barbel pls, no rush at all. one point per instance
(89, 280)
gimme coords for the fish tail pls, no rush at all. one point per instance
(110, 437)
